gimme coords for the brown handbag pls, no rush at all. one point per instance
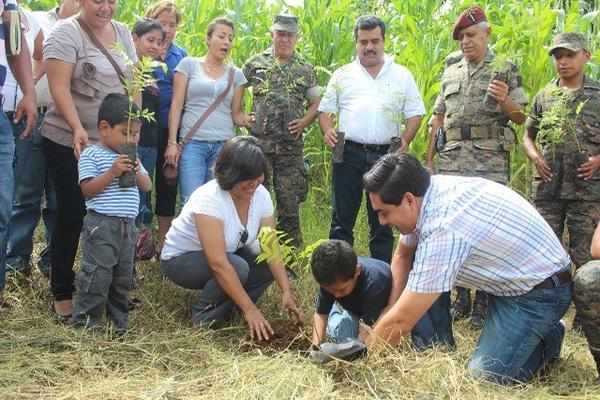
(169, 171)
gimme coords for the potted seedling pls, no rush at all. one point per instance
(499, 66)
(554, 127)
(142, 77)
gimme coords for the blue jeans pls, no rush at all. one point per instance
(31, 181)
(521, 334)
(347, 195)
(435, 327)
(342, 325)
(147, 156)
(195, 166)
(7, 151)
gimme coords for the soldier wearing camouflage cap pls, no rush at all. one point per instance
(566, 183)
(586, 295)
(475, 139)
(284, 102)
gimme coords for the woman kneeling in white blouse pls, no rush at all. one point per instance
(212, 244)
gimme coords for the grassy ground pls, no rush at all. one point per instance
(162, 358)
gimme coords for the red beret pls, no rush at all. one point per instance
(471, 16)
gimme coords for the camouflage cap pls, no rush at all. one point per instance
(571, 41)
(285, 23)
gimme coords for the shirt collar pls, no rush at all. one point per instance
(387, 61)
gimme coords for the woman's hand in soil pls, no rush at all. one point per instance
(172, 154)
(80, 142)
(288, 304)
(296, 127)
(330, 137)
(259, 327)
(544, 169)
(121, 164)
(589, 168)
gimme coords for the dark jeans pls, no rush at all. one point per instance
(435, 327)
(32, 184)
(62, 165)
(347, 197)
(166, 196)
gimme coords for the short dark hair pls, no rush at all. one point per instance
(218, 21)
(114, 109)
(395, 175)
(333, 261)
(367, 23)
(240, 159)
(143, 26)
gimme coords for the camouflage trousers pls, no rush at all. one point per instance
(484, 158)
(578, 217)
(586, 295)
(290, 183)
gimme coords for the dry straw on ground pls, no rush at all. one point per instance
(162, 358)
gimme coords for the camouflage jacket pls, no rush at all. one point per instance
(280, 91)
(463, 91)
(582, 132)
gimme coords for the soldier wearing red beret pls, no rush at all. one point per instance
(474, 111)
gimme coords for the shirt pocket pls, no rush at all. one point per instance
(452, 97)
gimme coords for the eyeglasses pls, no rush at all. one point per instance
(242, 243)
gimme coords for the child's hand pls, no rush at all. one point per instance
(121, 164)
(136, 166)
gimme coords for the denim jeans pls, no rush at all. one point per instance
(147, 156)
(195, 166)
(7, 151)
(435, 327)
(521, 334)
(347, 195)
(31, 182)
(342, 325)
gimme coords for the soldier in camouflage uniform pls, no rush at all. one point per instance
(566, 193)
(477, 137)
(566, 186)
(283, 86)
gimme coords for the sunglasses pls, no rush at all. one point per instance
(242, 243)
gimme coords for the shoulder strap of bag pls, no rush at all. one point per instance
(210, 109)
(101, 47)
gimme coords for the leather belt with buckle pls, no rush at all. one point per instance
(554, 280)
(376, 148)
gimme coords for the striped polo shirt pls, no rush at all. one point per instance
(112, 201)
(477, 233)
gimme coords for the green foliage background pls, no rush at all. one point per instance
(418, 36)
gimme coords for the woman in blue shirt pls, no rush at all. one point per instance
(167, 13)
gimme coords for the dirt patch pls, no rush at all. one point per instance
(288, 337)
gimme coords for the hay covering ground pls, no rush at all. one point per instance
(162, 358)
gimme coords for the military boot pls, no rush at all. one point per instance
(461, 308)
(479, 310)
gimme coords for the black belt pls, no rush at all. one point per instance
(376, 148)
(554, 280)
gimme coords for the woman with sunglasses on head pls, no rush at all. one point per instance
(212, 245)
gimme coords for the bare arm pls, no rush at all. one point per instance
(596, 243)
(212, 236)
(326, 125)
(237, 111)
(410, 130)
(142, 180)
(59, 78)
(401, 265)
(20, 66)
(531, 151)
(180, 83)
(37, 59)
(319, 328)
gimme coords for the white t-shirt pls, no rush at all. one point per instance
(209, 199)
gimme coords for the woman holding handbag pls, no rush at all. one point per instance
(209, 90)
(81, 72)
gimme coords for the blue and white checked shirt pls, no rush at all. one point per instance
(477, 233)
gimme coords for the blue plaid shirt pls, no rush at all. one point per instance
(477, 233)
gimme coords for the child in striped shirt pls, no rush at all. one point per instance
(109, 235)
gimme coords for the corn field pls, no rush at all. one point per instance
(418, 36)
